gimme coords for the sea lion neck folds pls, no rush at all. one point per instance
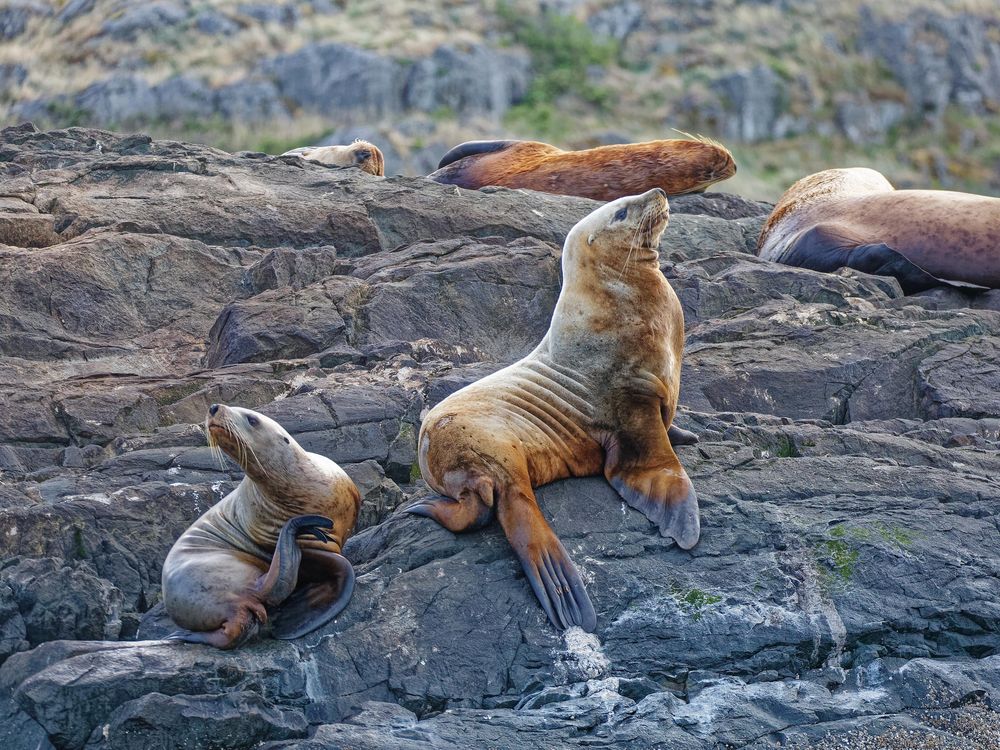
(270, 550)
(596, 396)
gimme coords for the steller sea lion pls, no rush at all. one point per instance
(361, 154)
(269, 550)
(597, 395)
(605, 173)
(855, 218)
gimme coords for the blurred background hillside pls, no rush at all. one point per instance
(911, 87)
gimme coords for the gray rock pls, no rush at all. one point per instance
(471, 81)
(57, 601)
(73, 9)
(752, 102)
(331, 78)
(287, 14)
(213, 23)
(234, 720)
(147, 17)
(16, 14)
(845, 581)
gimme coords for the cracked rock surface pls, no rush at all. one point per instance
(848, 575)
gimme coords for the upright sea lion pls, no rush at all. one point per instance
(855, 218)
(597, 395)
(361, 154)
(269, 550)
(605, 173)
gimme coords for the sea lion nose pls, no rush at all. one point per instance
(213, 409)
(660, 192)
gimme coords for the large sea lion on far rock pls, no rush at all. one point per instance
(597, 395)
(855, 218)
(270, 550)
(676, 166)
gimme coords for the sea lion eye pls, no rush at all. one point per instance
(252, 420)
(286, 441)
(622, 213)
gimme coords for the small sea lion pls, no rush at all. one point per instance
(596, 396)
(605, 173)
(361, 154)
(270, 550)
(856, 218)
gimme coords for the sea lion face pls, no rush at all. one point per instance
(367, 158)
(360, 154)
(261, 446)
(630, 225)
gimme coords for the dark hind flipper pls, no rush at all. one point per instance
(326, 591)
(548, 568)
(472, 148)
(282, 576)
(677, 436)
(822, 249)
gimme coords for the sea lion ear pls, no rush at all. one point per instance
(591, 238)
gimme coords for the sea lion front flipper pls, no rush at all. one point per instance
(547, 566)
(641, 465)
(328, 590)
(282, 576)
(666, 497)
(823, 249)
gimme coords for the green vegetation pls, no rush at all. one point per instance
(563, 50)
(695, 601)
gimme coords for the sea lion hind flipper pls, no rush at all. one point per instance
(312, 605)
(678, 436)
(473, 148)
(547, 566)
(283, 574)
(469, 512)
(665, 497)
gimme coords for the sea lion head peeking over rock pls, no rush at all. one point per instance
(677, 166)
(270, 550)
(596, 396)
(361, 154)
(855, 218)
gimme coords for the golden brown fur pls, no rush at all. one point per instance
(361, 154)
(596, 396)
(605, 173)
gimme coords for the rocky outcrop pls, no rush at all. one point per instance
(329, 79)
(846, 579)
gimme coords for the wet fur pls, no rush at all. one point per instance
(605, 173)
(855, 218)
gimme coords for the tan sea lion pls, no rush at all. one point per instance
(361, 154)
(605, 173)
(268, 551)
(855, 218)
(597, 395)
